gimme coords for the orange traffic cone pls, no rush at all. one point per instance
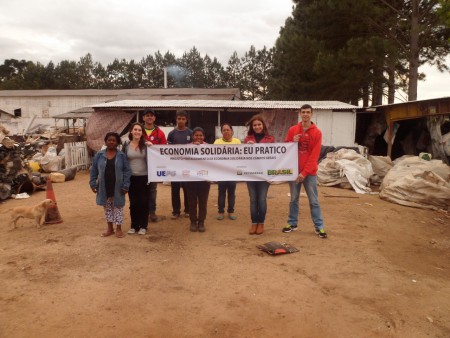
(52, 215)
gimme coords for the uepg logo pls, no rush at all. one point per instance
(165, 173)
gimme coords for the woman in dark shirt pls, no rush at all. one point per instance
(198, 192)
(110, 180)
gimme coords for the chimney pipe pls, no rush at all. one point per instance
(165, 77)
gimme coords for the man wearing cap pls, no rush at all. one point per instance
(153, 135)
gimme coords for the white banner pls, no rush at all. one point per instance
(217, 162)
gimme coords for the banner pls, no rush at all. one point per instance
(218, 162)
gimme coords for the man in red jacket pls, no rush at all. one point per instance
(309, 139)
(153, 135)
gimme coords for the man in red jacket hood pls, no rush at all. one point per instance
(152, 135)
(309, 139)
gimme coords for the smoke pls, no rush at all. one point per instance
(178, 74)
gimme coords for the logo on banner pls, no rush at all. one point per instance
(278, 172)
(166, 173)
(241, 172)
(202, 173)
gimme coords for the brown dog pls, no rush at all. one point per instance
(36, 212)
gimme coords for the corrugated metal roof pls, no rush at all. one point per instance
(175, 96)
(80, 115)
(408, 102)
(115, 92)
(222, 104)
(84, 113)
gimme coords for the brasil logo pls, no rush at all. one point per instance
(277, 172)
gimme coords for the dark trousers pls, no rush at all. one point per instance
(138, 194)
(225, 186)
(198, 193)
(152, 197)
(176, 201)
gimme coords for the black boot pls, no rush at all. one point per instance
(193, 227)
(201, 226)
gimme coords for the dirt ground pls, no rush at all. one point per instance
(384, 271)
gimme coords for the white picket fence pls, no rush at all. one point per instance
(76, 154)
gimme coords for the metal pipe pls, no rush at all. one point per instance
(165, 77)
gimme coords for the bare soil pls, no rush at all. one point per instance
(383, 272)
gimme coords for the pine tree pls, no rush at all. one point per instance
(352, 50)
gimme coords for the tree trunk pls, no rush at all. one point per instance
(377, 86)
(391, 81)
(365, 95)
(414, 56)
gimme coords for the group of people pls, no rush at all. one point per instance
(114, 173)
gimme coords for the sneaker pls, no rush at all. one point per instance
(193, 227)
(321, 233)
(289, 228)
(142, 231)
(175, 216)
(219, 217)
(232, 217)
(131, 231)
(186, 215)
(201, 227)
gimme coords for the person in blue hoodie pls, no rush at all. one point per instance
(110, 180)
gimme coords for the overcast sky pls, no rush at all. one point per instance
(55, 30)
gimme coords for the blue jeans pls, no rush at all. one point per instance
(310, 183)
(258, 200)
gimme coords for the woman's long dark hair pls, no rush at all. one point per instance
(142, 139)
(249, 125)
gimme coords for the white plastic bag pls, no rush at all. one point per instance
(418, 183)
(50, 161)
(346, 167)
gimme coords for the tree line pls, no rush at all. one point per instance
(346, 50)
(250, 73)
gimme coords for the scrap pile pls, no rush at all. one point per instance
(23, 160)
(13, 169)
(15, 172)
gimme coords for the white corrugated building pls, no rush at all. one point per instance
(337, 120)
(207, 108)
(43, 105)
